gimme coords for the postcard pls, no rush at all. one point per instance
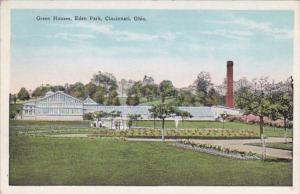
(164, 97)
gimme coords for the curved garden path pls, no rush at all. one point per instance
(239, 144)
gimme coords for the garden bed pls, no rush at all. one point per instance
(217, 150)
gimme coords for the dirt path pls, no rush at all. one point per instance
(240, 145)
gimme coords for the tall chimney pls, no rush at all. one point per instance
(229, 81)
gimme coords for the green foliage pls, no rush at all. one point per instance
(166, 89)
(43, 89)
(113, 99)
(23, 94)
(106, 80)
(132, 100)
(212, 98)
(77, 90)
(202, 82)
(99, 95)
(88, 116)
(186, 98)
(90, 89)
(132, 118)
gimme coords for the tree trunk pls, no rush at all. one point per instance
(163, 130)
(262, 138)
(154, 122)
(285, 131)
(223, 123)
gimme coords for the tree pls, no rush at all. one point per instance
(90, 89)
(184, 115)
(154, 114)
(106, 80)
(257, 103)
(41, 90)
(113, 115)
(23, 94)
(283, 99)
(77, 90)
(132, 118)
(163, 111)
(202, 82)
(186, 98)
(166, 89)
(212, 98)
(223, 116)
(99, 95)
(147, 80)
(113, 99)
(132, 100)
(134, 94)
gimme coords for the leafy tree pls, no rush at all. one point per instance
(202, 82)
(90, 89)
(166, 89)
(154, 114)
(223, 116)
(41, 90)
(147, 80)
(186, 98)
(77, 90)
(134, 94)
(113, 115)
(58, 88)
(132, 118)
(257, 103)
(113, 99)
(212, 98)
(184, 115)
(106, 80)
(148, 91)
(163, 111)
(284, 107)
(132, 100)
(99, 95)
(23, 94)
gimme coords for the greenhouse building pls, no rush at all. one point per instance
(61, 106)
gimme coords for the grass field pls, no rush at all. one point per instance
(282, 146)
(85, 161)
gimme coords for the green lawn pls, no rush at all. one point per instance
(282, 146)
(84, 161)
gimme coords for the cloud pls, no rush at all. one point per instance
(125, 35)
(265, 27)
(232, 34)
(73, 37)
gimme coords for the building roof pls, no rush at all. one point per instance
(89, 101)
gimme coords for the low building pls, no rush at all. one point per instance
(61, 106)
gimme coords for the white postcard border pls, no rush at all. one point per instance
(6, 7)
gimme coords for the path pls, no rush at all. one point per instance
(239, 144)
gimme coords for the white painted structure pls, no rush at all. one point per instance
(61, 106)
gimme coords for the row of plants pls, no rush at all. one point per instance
(147, 133)
(179, 133)
(217, 150)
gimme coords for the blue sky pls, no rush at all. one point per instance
(170, 44)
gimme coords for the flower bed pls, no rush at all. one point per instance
(217, 150)
(181, 133)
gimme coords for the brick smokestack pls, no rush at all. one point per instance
(229, 81)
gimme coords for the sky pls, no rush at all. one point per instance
(171, 44)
